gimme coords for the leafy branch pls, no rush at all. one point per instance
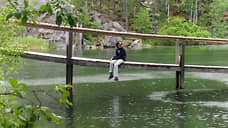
(63, 8)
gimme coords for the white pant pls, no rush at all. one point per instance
(115, 63)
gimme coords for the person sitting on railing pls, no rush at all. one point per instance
(120, 57)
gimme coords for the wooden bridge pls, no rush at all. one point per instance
(180, 68)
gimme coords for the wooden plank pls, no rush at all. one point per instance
(128, 65)
(201, 68)
(124, 34)
(44, 57)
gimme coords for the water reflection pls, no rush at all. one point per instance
(69, 123)
(180, 116)
(115, 122)
(142, 99)
(70, 110)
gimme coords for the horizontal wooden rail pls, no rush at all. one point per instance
(98, 62)
(128, 65)
(124, 34)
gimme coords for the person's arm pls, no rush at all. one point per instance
(124, 54)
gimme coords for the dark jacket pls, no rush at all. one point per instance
(120, 54)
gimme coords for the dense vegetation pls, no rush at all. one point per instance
(144, 16)
(205, 13)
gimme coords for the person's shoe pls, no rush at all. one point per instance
(116, 79)
(110, 76)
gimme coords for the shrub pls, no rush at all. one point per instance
(178, 26)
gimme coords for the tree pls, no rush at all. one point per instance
(142, 22)
(178, 26)
(218, 23)
(126, 15)
(87, 22)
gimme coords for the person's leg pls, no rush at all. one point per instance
(118, 62)
(111, 68)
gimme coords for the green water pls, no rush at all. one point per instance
(142, 98)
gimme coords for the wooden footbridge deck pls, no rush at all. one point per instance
(179, 67)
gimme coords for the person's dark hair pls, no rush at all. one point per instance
(118, 42)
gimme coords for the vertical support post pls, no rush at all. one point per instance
(177, 62)
(69, 65)
(182, 66)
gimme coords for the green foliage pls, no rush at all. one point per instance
(14, 115)
(8, 32)
(28, 13)
(213, 17)
(219, 25)
(24, 116)
(63, 15)
(85, 18)
(62, 89)
(87, 22)
(178, 26)
(33, 43)
(142, 22)
(23, 14)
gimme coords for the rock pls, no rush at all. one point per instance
(97, 17)
(137, 44)
(85, 42)
(146, 46)
(127, 43)
(111, 41)
(106, 26)
(47, 18)
(117, 26)
(90, 47)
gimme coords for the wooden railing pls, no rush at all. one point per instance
(124, 34)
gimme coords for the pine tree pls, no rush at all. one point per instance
(142, 22)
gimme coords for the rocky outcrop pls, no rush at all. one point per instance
(110, 41)
(59, 36)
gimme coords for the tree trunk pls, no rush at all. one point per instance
(191, 11)
(126, 15)
(134, 13)
(168, 11)
(196, 11)
(100, 3)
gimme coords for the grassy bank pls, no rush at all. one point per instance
(32, 43)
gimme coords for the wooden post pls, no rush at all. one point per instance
(177, 62)
(69, 65)
(182, 66)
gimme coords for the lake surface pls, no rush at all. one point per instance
(142, 98)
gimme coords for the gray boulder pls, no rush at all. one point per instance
(117, 26)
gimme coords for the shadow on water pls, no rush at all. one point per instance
(69, 123)
(180, 116)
